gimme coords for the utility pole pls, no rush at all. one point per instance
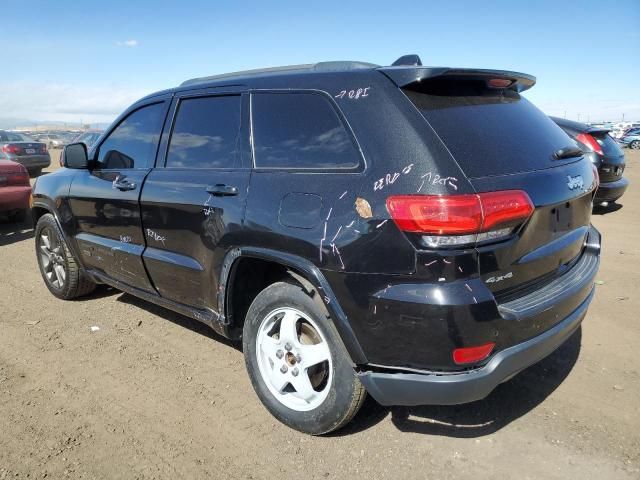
(623, 117)
(565, 114)
(578, 117)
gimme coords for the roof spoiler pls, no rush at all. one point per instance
(403, 75)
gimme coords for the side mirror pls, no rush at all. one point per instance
(75, 155)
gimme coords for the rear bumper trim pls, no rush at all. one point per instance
(452, 389)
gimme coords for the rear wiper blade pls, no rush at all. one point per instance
(567, 152)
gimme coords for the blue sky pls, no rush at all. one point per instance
(88, 60)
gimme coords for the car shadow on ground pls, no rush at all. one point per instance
(508, 402)
(13, 232)
(178, 319)
(610, 208)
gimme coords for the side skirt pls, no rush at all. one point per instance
(206, 316)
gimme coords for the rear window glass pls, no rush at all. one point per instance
(206, 133)
(609, 146)
(489, 132)
(300, 130)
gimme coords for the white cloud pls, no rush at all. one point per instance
(65, 102)
(128, 43)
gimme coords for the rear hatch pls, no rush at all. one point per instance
(503, 142)
(612, 164)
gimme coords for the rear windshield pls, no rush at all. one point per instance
(609, 146)
(489, 132)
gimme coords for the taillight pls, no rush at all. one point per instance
(43, 149)
(18, 178)
(9, 148)
(590, 142)
(453, 220)
(472, 354)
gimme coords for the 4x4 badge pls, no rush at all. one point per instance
(575, 182)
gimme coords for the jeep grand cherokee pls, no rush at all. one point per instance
(418, 233)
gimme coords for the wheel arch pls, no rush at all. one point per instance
(284, 265)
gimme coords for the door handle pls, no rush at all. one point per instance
(121, 183)
(222, 190)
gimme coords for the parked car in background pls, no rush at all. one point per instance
(88, 138)
(53, 140)
(631, 139)
(604, 152)
(15, 190)
(358, 227)
(20, 148)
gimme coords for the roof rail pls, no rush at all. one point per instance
(318, 67)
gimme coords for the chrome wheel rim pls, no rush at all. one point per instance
(635, 145)
(294, 359)
(52, 258)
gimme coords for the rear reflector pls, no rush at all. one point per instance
(590, 142)
(450, 220)
(467, 355)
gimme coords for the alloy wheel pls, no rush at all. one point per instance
(294, 359)
(52, 258)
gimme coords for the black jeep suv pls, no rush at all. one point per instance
(422, 234)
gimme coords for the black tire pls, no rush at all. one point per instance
(345, 395)
(75, 282)
(35, 172)
(635, 145)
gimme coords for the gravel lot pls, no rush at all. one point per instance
(153, 394)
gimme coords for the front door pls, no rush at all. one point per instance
(193, 205)
(105, 199)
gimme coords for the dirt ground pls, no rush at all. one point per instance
(153, 394)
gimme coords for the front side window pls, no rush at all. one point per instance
(206, 133)
(134, 141)
(300, 130)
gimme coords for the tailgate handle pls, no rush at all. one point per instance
(222, 190)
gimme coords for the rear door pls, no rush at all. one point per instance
(105, 200)
(503, 142)
(193, 203)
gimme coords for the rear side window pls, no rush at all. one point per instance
(489, 132)
(300, 130)
(206, 133)
(134, 141)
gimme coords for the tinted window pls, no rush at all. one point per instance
(134, 142)
(489, 132)
(299, 130)
(206, 133)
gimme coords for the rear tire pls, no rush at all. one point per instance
(303, 377)
(635, 145)
(35, 172)
(61, 273)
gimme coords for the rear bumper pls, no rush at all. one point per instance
(452, 389)
(14, 198)
(611, 191)
(449, 388)
(32, 161)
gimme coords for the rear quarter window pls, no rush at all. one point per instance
(300, 131)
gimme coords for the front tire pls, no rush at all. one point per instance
(61, 273)
(297, 363)
(635, 145)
